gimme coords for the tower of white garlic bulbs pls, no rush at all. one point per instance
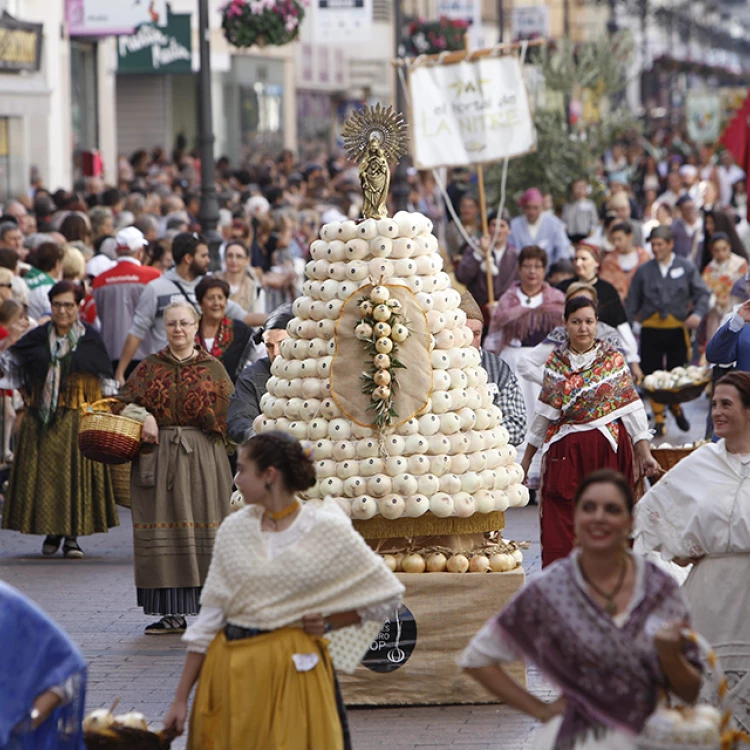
(379, 375)
(452, 458)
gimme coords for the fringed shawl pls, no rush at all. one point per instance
(600, 393)
(510, 320)
(611, 676)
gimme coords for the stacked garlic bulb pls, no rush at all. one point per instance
(453, 458)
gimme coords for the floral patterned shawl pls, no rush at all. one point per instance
(610, 675)
(182, 394)
(598, 395)
(222, 341)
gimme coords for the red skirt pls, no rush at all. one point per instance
(566, 464)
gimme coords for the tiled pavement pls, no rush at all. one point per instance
(94, 600)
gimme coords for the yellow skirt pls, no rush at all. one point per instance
(251, 695)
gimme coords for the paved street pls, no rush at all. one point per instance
(94, 600)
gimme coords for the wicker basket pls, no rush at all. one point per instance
(108, 438)
(677, 395)
(727, 736)
(120, 475)
(123, 738)
(670, 457)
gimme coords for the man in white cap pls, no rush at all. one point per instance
(117, 291)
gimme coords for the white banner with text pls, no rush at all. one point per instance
(470, 113)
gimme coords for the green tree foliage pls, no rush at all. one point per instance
(592, 76)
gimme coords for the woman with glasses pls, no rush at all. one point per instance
(244, 286)
(53, 489)
(522, 318)
(181, 481)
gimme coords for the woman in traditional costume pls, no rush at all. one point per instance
(42, 679)
(53, 489)
(588, 417)
(603, 624)
(610, 308)
(699, 514)
(522, 318)
(217, 334)
(531, 365)
(282, 576)
(181, 483)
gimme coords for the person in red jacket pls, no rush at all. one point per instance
(117, 292)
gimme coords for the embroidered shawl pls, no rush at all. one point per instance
(183, 394)
(599, 394)
(611, 676)
(510, 320)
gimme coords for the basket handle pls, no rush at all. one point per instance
(728, 734)
(98, 405)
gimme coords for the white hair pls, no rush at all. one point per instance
(183, 304)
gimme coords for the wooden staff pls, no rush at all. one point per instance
(485, 233)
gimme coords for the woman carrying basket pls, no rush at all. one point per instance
(181, 482)
(699, 514)
(603, 624)
(53, 489)
(283, 574)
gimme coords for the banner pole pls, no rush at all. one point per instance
(485, 233)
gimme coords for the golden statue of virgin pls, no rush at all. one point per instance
(374, 137)
(375, 178)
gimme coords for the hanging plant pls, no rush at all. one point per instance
(261, 22)
(381, 330)
(434, 37)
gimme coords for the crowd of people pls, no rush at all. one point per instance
(113, 291)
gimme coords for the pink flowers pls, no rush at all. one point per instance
(234, 9)
(259, 22)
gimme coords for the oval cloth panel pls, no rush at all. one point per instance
(352, 360)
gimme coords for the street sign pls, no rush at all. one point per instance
(152, 49)
(530, 22)
(20, 44)
(342, 21)
(113, 17)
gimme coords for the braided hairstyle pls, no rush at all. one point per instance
(284, 453)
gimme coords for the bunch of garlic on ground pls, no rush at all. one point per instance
(676, 378)
(452, 459)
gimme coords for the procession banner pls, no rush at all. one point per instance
(470, 113)
(703, 114)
